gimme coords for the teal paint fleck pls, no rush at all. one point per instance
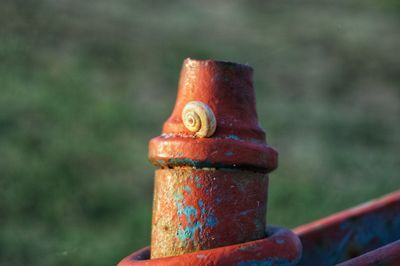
(189, 212)
(201, 206)
(201, 203)
(197, 217)
(180, 208)
(197, 181)
(234, 137)
(160, 162)
(187, 161)
(229, 153)
(182, 161)
(187, 189)
(211, 221)
(188, 232)
(178, 196)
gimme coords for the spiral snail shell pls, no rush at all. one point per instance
(199, 118)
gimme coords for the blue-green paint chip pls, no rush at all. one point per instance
(211, 221)
(234, 137)
(187, 189)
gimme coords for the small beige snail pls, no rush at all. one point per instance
(199, 118)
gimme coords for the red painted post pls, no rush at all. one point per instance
(211, 189)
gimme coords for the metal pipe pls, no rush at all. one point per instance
(211, 190)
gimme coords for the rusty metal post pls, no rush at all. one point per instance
(211, 191)
(211, 187)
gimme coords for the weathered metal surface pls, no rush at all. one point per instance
(388, 255)
(199, 209)
(238, 141)
(351, 233)
(210, 194)
(281, 247)
(213, 189)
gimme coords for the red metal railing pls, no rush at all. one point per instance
(211, 188)
(352, 233)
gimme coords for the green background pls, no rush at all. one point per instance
(84, 85)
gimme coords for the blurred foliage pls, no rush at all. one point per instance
(85, 84)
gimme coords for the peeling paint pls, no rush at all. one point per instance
(188, 232)
(198, 182)
(234, 137)
(195, 204)
(202, 210)
(187, 189)
(189, 212)
(211, 221)
(201, 206)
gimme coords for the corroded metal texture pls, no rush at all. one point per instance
(199, 209)
(281, 247)
(210, 195)
(351, 233)
(238, 141)
(212, 189)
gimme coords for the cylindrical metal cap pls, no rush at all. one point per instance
(238, 141)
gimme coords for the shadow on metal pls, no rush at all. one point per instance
(354, 232)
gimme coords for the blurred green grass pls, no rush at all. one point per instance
(86, 84)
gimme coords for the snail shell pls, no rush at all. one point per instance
(199, 118)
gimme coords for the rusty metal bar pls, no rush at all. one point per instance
(352, 232)
(386, 255)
